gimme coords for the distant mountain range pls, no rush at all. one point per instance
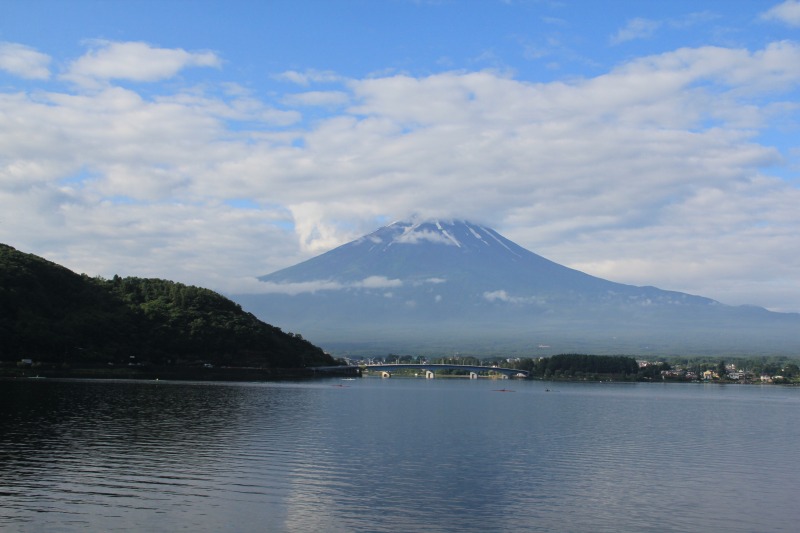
(445, 287)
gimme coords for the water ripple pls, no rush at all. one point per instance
(402, 455)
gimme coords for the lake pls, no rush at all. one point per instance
(394, 455)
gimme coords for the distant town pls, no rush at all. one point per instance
(787, 373)
(756, 370)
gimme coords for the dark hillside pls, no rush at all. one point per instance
(50, 314)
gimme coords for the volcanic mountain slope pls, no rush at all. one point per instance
(456, 286)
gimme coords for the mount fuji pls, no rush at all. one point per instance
(445, 287)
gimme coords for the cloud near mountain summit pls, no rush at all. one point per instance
(656, 171)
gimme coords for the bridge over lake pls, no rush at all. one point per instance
(430, 369)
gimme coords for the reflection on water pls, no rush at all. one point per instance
(397, 455)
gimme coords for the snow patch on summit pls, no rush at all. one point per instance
(501, 243)
(415, 236)
(477, 235)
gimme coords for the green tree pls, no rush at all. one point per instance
(49, 313)
(791, 370)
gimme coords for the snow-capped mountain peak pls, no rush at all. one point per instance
(456, 233)
(456, 280)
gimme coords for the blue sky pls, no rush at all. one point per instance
(651, 143)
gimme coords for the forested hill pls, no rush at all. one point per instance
(48, 313)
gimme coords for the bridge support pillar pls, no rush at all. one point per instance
(473, 375)
(429, 374)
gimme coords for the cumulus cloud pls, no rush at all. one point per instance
(24, 61)
(317, 98)
(787, 12)
(322, 225)
(134, 61)
(653, 172)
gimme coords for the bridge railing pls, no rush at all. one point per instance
(512, 372)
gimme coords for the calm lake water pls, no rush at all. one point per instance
(397, 455)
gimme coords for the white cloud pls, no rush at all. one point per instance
(24, 61)
(637, 28)
(503, 296)
(643, 28)
(267, 287)
(308, 77)
(417, 236)
(370, 282)
(652, 173)
(134, 61)
(317, 98)
(494, 296)
(378, 282)
(322, 225)
(787, 12)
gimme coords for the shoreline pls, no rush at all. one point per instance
(176, 373)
